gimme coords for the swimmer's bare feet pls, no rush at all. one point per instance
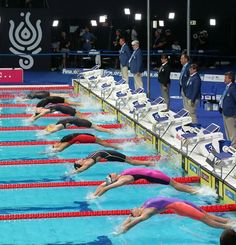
(151, 164)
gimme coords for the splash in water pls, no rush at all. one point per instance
(206, 191)
(101, 118)
(124, 132)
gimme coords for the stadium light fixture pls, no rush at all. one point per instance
(55, 23)
(127, 11)
(138, 16)
(212, 22)
(171, 15)
(161, 23)
(93, 23)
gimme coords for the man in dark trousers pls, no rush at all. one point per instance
(124, 57)
(164, 79)
(193, 92)
(184, 75)
(227, 104)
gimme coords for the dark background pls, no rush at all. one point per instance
(221, 37)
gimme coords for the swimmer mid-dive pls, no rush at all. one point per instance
(42, 94)
(56, 100)
(184, 208)
(64, 123)
(132, 174)
(53, 108)
(82, 138)
(109, 155)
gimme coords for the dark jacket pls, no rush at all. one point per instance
(193, 87)
(136, 62)
(229, 102)
(164, 74)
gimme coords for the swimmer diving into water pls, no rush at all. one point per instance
(68, 110)
(82, 138)
(184, 208)
(109, 155)
(130, 175)
(48, 102)
(64, 123)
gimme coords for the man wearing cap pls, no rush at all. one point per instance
(136, 64)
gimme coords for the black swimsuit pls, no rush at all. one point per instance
(75, 121)
(50, 100)
(63, 109)
(110, 155)
(38, 95)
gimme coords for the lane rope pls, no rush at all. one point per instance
(210, 208)
(22, 143)
(63, 87)
(192, 179)
(24, 128)
(63, 161)
(23, 115)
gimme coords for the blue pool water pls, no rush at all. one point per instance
(161, 229)
(18, 135)
(96, 118)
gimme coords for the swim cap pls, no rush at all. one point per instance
(77, 165)
(109, 180)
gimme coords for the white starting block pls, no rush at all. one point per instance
(169, 122)
(107, 89)
(93, 82)
(141, 109)
(200, 138)
(223, 158)
(123, 98)
(94, 71)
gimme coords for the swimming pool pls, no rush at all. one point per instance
(162, 229)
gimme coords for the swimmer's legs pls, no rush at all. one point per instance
(106, 144)
(73, 103)
(138, 162)
(182, 187)
(101, 129)
(215, 221)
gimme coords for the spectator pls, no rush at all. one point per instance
(136, 64)
(125, 55)
(116, 46)
(184, 76)
(64, 48)
(193, 91)
(175, 46)
(164, 79)
(227, 104)
(168, 39)
(87, 39)
(134, 34)
(157, 38)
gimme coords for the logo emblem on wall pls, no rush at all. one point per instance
(25, 40)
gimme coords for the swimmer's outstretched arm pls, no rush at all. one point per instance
(61, 147)
(44, 112)
(87, 164)
(104, 188)
(131, 222)
(52, 128)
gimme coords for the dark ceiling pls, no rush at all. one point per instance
(92, 9)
